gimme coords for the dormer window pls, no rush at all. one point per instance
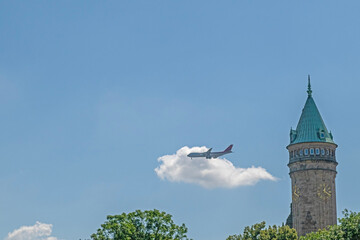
(322, 134)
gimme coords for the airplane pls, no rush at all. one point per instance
(210, 154)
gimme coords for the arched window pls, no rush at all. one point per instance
(317, 151)
(306, 151)
(311, 151)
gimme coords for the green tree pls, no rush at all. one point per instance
(138, 225)
(259, 232)
(348, 229)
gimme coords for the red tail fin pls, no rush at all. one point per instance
(228, 148)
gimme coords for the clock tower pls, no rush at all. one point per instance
(312, 164)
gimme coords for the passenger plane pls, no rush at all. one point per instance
(210, 154)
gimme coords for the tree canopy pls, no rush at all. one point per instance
(156, 225)
(348, 229)
(141, 225)
(259, 232)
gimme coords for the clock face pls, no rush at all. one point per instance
(296, 193)
(324, 191)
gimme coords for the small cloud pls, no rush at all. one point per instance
(208, 173)
(39, 231)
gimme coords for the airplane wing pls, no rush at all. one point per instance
(208, 153)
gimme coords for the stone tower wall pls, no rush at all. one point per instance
(313, 186)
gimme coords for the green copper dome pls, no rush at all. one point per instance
(311, 127)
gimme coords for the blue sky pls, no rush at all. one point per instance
(92, 93)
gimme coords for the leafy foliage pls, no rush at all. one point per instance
(348, 229)
(156, 225)
(259, 232)
(138, 225)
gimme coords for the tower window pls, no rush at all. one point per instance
(306, 151)
(327, 151)
(317, 151)
(322, 151)
(322, 134)
(311, 151)
(301, 152)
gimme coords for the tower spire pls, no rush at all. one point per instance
(309, 86)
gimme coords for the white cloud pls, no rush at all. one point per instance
(208, 173)
(39, 231)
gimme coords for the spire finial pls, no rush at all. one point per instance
(309, 87)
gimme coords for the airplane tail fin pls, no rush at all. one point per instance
(208, 151)
(228, 148)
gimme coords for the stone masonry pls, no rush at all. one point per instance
(313, 186)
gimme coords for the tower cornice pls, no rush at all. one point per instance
(311, 144)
